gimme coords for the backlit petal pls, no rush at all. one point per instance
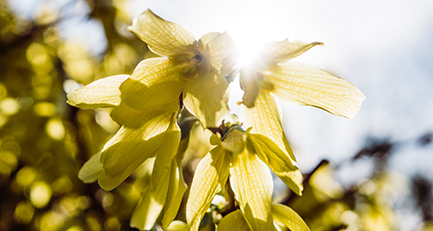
(279, 52)
(98, 94)
(91, 169)
(305, 84)
(177, 225)
(252, 184)
(234, 221)
(177, 186)
(150, 206)
(132, 118)
(129, 148)
(176, 190)
(289, 218)
(155, 82)
(206, 97)
(221, 49)
(265, 118)
(163, 37)
(153, 88)
(278, 161)
(250, 85)
(210, 176)
(167, 151)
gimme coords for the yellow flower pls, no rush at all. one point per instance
(281, 213)
(298, 83)
(164, 192)
(147, 103)
(243, 158)
(273, 74)
(190, 70)
(129, 147)
(160, 136)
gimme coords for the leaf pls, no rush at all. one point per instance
(163, 37)
(304, 84)
(209, 178)
(289, 218)
(98, 94)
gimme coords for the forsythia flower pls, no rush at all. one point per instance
(298, 83)
(188, 69)
(192, 74)
(292, 82)
(281, 213)
(129, 147)
(241, 157)
(147, 102)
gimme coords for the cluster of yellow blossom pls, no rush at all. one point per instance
(194, 75)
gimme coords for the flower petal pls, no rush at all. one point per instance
(167, 151)
(177, 186)
(280, 52)
(206, 97)
(289, 218)
(163, 37)
(150, 206)
(129, 148)
(98, 94)
(265, 118)
(176, 190)
(132, 118)
(252, 184)
(250, 85)
(305, 84)
(155, 82)
(154, 86)
(177, 225)
(279, 162)
(210, 176)
(233, 221)
(91, 169)
(222, 50)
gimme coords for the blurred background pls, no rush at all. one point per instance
(373, 172)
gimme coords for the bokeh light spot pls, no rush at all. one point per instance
(8, 162)
(26, 176)
(40, 194)
(24, 212)
(9, 106)
(45, 109)
(55, 129)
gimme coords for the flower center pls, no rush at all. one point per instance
(195, 60)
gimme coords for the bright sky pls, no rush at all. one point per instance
(383, 47)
